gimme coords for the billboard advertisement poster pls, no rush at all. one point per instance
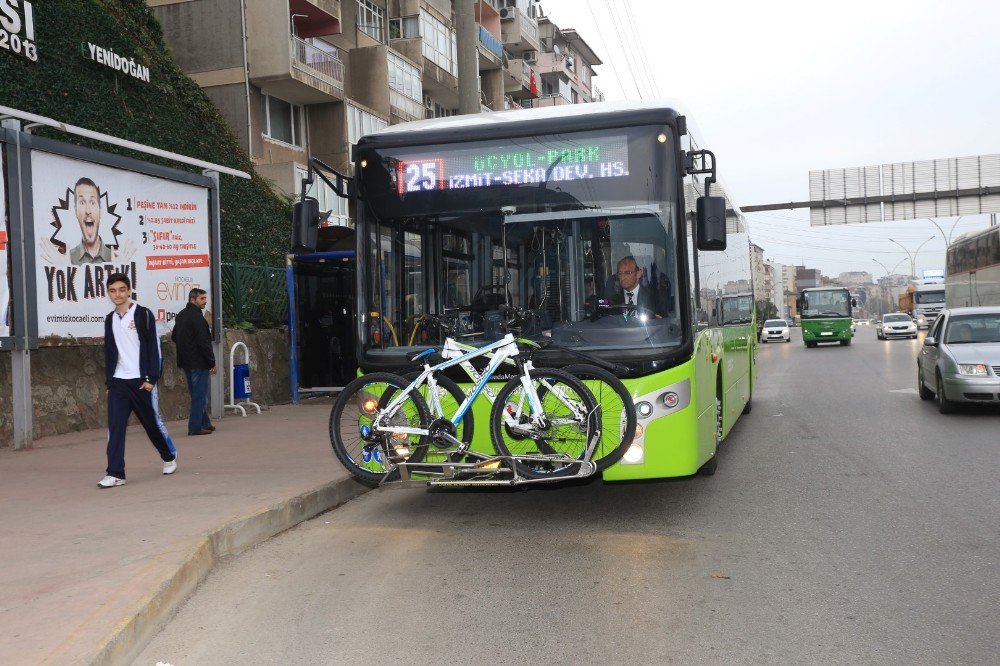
(93, 220)
(4, 261)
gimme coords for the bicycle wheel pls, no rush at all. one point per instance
(360, 449)
(571, 416)
(618, 417)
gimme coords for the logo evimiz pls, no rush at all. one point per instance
(17, 28)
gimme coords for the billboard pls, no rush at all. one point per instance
(4, 260)
(93, 220)
(905, 190)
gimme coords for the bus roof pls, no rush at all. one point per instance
(483, 120)
(968, 235)
(826, 289)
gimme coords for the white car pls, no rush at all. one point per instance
(896, 325)
(775, 330)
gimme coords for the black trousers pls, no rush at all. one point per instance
(125, 398)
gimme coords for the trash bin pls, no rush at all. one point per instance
(241, 380)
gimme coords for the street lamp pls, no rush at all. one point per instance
(887, 271)
(913, 257)
(947, 237)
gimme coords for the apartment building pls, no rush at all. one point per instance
(791, 286)
(565, 65)
(777, 286)
(758, 273)
(307, 78)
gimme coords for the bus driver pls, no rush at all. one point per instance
(631, 292)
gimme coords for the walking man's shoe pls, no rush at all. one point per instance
(169, 467)
(203, 431)
(110, 482)
(210, 428)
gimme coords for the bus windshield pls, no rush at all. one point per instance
(831, 303)
(580, 229)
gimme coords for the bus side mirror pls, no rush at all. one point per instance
(711, 223)
(305, 225)
(854, 302)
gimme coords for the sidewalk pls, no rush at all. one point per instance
(89, 575)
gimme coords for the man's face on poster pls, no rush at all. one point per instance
(88, 212)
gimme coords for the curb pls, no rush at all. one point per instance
(131, 635)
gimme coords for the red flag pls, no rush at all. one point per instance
(532, 86)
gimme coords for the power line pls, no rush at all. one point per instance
(643, 53)
(600, 34)
(624, 50)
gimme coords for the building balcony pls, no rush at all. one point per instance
(518, 78)
(438, 72)
(545, 100)
(490, 50)
(287, 65)
(403, 108)
(518, 31)
(551, 63)
(324, 64)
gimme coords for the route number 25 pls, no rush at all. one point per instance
(417, 176)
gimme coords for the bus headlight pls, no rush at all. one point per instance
(670, 399)
(972, 369)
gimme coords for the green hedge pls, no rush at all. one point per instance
(171, 112)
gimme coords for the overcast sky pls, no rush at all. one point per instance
(779, 88)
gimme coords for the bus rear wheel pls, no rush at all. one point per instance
(708, 469)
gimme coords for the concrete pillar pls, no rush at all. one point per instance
(467, 38)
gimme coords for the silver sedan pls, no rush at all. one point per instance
(960, 358)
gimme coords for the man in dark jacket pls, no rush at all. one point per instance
(132, 364)
(195, 356)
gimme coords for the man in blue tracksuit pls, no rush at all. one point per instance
(132, 366)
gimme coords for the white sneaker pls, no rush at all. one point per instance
(170, 467)
(110, 482)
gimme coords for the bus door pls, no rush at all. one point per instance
(325, 311)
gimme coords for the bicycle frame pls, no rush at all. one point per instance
(502, 350)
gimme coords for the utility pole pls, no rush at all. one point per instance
(467, 39)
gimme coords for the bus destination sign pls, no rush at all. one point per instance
(535, 162)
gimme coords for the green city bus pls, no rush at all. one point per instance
(563, 211)
(825, 315)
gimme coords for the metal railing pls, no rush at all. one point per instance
(322, 64)
(254, 296)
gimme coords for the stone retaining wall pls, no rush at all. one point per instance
(68, 383)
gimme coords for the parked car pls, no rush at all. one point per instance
(896, 325)
(960, 358)
(775, 330)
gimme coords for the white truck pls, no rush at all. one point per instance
(928, 300)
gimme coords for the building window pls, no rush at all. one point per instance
(371, 20)
(439, 43)
(360, 123)
(405, 89)
(406, 27)
(282, 121)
